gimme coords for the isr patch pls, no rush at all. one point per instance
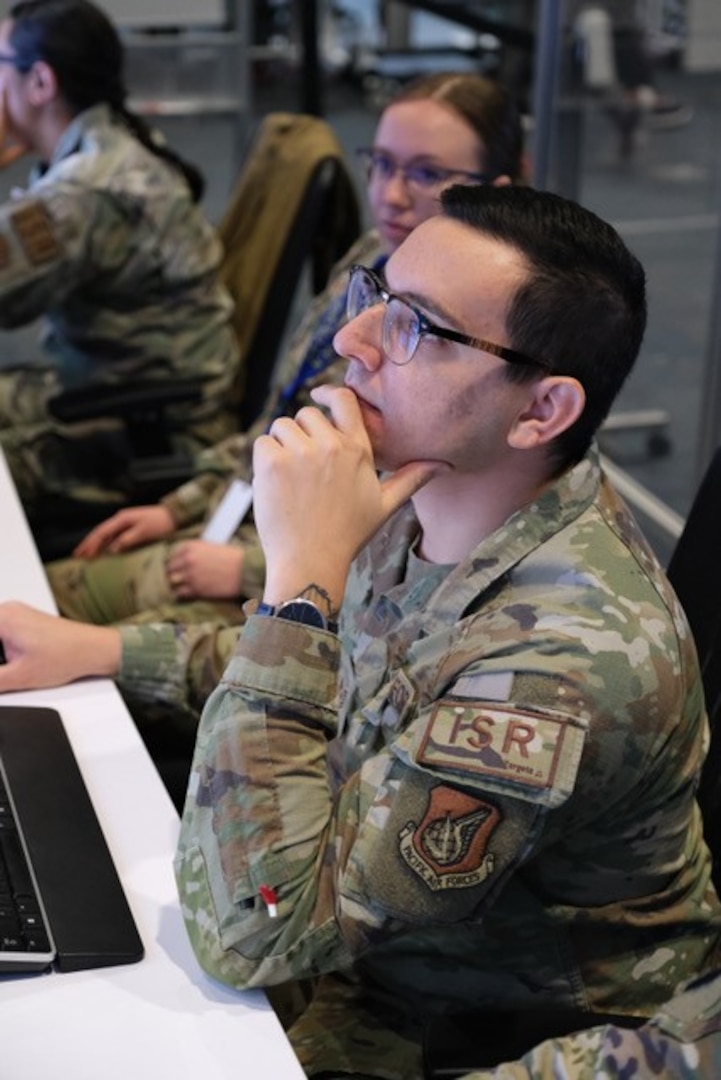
(538, 751)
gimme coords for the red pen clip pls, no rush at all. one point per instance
(271, 898)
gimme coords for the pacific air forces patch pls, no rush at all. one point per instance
(448, 848)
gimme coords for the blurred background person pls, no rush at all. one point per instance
(109, 245)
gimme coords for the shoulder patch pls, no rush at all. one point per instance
(35, 229)
(448, 849)
(512, 750)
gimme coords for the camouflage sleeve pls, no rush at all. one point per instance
(44, 250)
(192, 502)
(215, 467)
(237, 837)
(174, 664)
(398, 845)
(253, 573)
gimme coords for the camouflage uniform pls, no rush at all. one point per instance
(108, 246)
(681, 1042)
(485, 795)
(178, 665)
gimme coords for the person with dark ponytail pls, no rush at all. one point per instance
(108, 244)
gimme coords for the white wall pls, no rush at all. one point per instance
(703, 49)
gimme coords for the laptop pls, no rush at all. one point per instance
(56, 871)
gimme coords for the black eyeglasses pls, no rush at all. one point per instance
(404, 325)
(6, 58)
(424, 176)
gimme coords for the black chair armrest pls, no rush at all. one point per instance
(90, 402)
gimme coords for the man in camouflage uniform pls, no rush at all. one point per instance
(682, 1041)
(478, 791)
(108, 246)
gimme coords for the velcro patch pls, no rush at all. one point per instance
(510, 746)
(35, 230)
(448, 849)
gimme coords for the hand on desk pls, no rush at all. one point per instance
(127, 529)
(45, 650)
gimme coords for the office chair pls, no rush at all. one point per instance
(294, 204)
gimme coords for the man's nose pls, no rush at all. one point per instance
(360, 338)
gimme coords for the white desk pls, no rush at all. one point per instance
(160, 1017)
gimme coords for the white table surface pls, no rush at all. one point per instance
(159, 1017)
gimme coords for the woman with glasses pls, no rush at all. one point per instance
(108, 244)
(442, 129)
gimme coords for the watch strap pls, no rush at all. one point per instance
(299, 610)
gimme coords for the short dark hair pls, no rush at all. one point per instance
(83, 48)
(486, 106)
(583, 305)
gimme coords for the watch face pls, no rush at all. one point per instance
(302, 611)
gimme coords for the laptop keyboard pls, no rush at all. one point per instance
(25, 940)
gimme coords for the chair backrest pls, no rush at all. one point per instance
(294, 203)
(695, 573)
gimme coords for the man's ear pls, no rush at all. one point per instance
(554, 404)
(42, 84)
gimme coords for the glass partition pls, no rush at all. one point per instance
(649, 162)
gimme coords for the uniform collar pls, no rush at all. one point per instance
(561, 503)
(72, 138)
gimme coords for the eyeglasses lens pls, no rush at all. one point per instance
(362, 293)
(400, 331)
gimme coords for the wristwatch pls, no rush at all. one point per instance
(299, 610)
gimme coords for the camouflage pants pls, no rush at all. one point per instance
(132, 588)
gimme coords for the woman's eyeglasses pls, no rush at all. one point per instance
(424, 176)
